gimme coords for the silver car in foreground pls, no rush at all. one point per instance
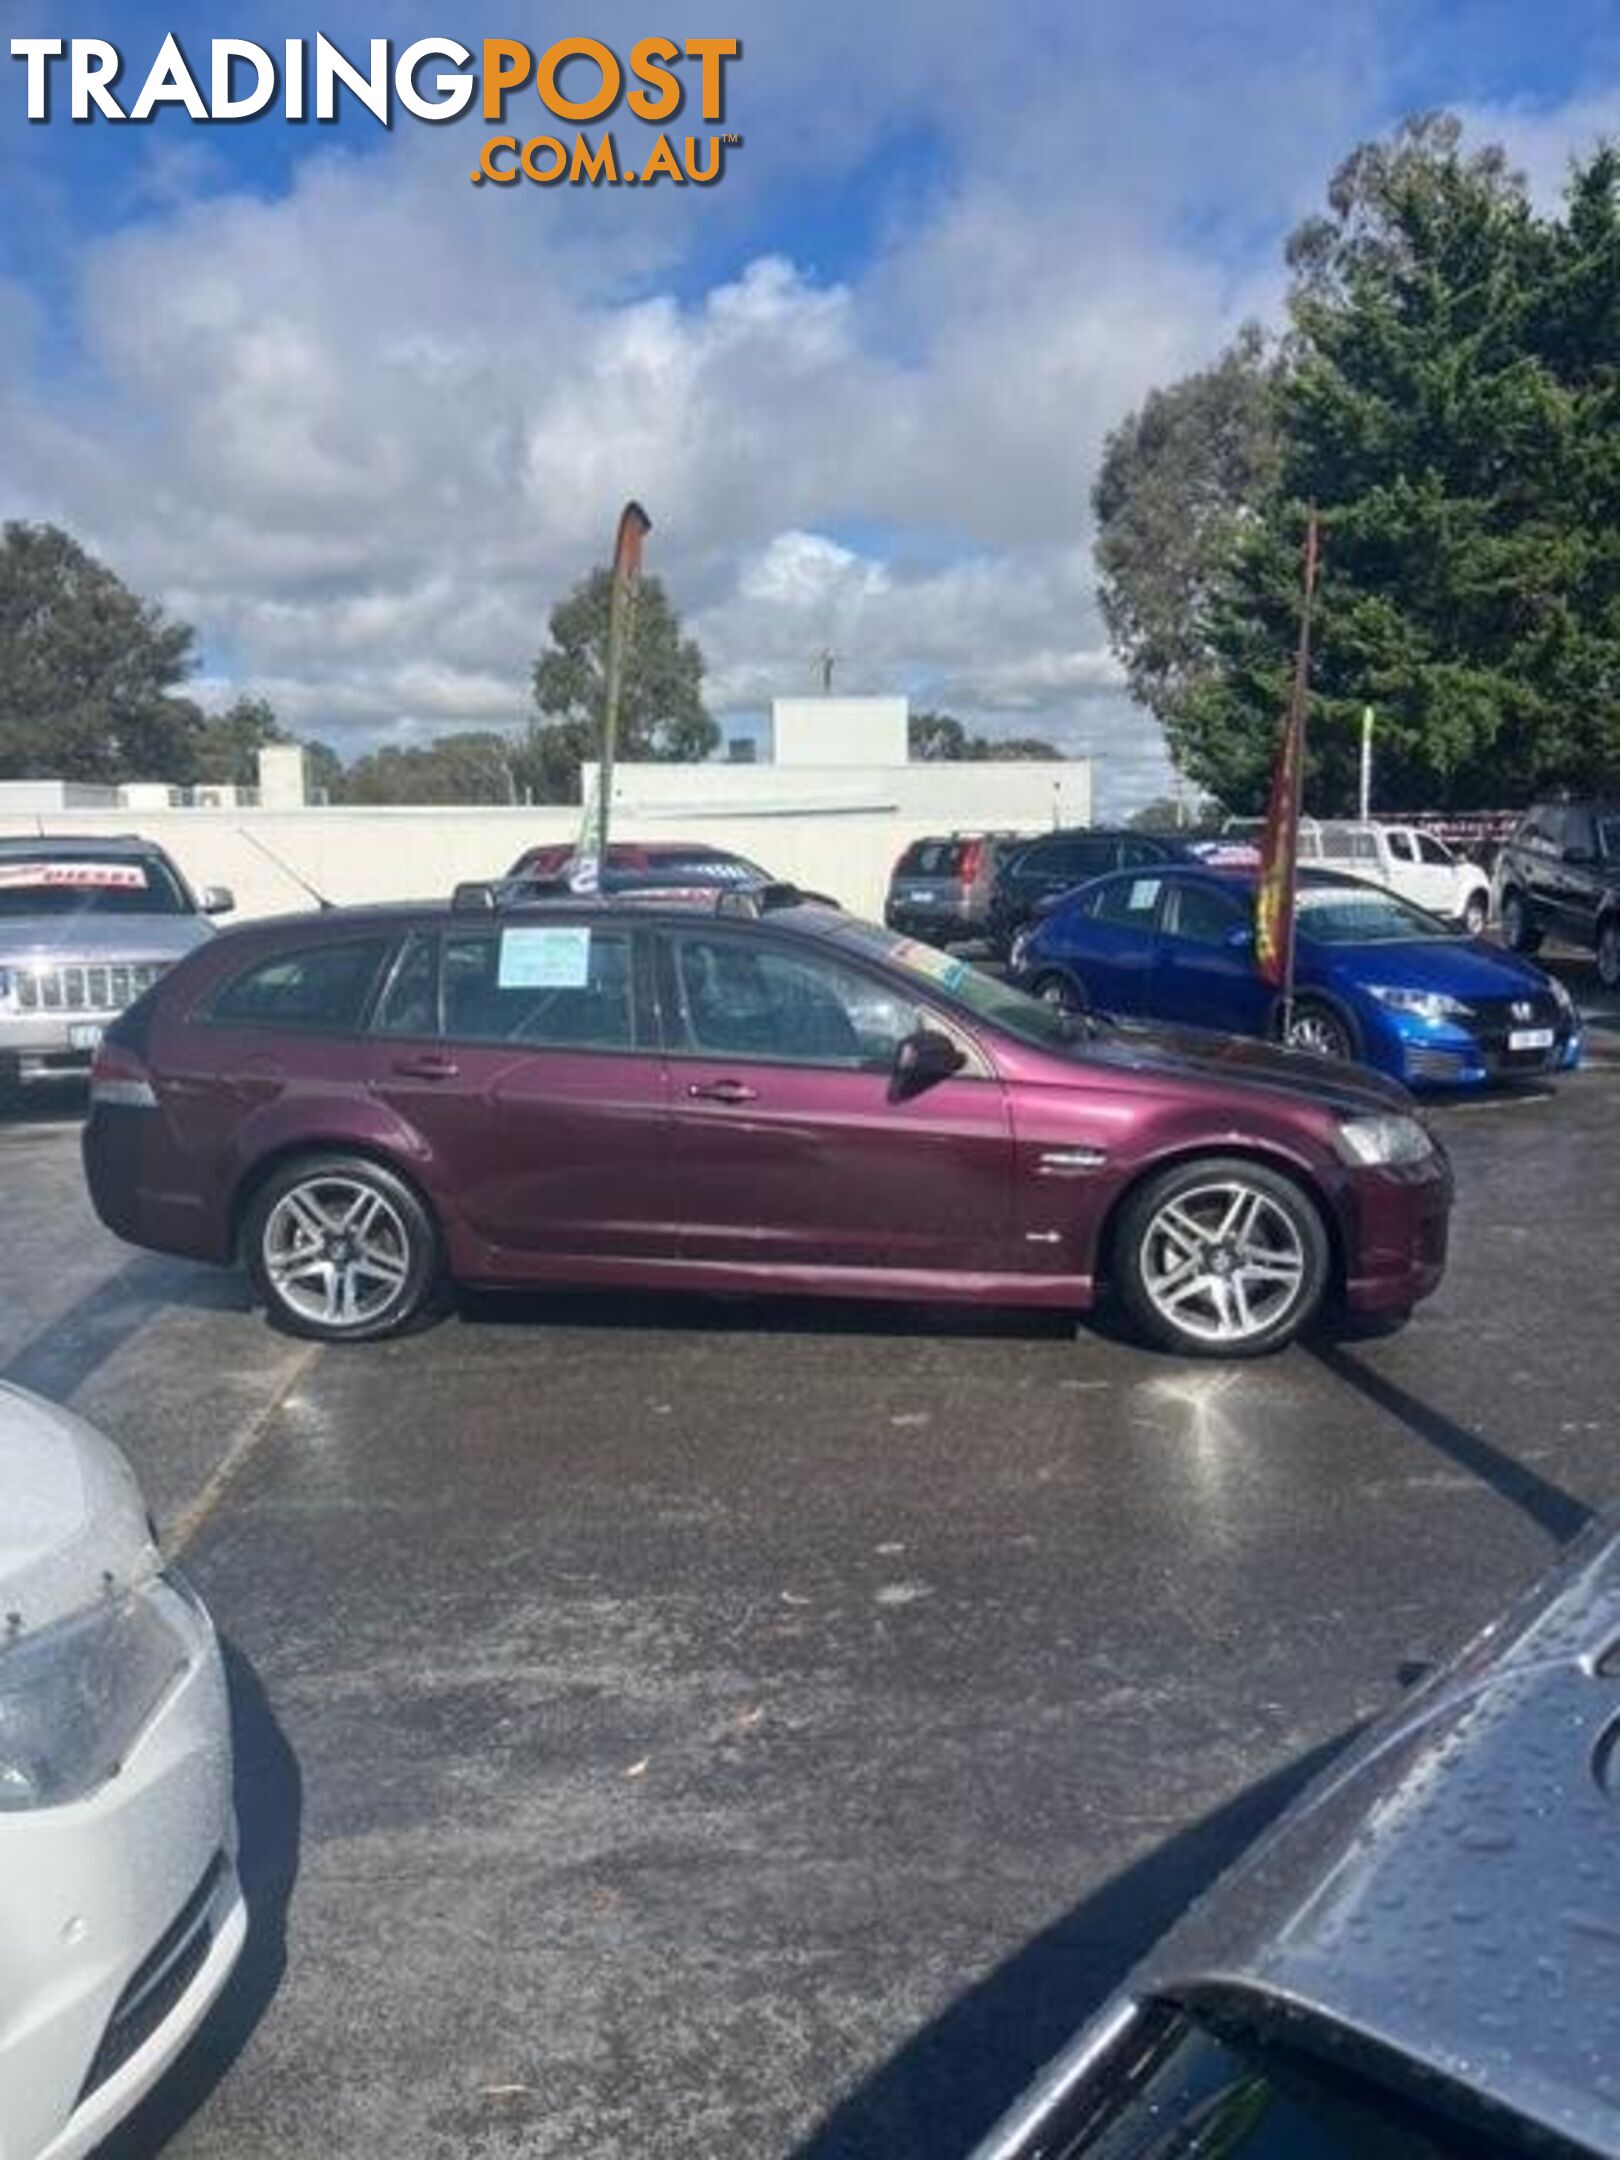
(1421, 1959)
(86, 925)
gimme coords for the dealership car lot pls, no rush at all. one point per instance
(669, 1727)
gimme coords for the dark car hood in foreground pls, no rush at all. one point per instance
(1450, 1888)
(1180, 1053)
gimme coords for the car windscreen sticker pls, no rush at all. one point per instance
(87, 876)
(1144, 893)
(554, 958)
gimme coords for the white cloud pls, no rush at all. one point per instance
(366, 434)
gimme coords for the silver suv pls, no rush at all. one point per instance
(86, 926)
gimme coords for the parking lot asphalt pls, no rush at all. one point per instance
(689, 1728)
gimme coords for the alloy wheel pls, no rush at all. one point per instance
(337, 1252)
(1223, 1262)
(1313, 1028)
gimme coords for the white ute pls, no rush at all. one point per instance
(120, 1911)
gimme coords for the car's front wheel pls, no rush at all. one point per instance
(1476, 914)
(1221, 1258)
(1312, 1025)
(340, 1249)
(1519, 925)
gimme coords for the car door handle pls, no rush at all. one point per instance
(426, 1068)
(729, 1091)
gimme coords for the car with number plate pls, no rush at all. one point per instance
(86, 925)
(1375, 979)
(370, 1103)
(120, 1911)
(1031, 879)
(1417, 1962)
(940, 886)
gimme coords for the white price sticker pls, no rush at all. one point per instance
(555, 958)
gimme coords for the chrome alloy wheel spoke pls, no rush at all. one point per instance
(1224, 1261)
(337, 1251)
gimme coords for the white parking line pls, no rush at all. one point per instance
(238, 1455)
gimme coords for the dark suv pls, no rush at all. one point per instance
(1058, 861)
(1559, 876)
(366, 1104)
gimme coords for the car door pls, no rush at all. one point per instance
(1110, 943)
(1057, 866)
(795, 1150)
(1443, 880)
(1203, 968)
(525, 1055)
(1574, 873)
(1539, 851)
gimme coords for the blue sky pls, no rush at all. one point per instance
(362, 422)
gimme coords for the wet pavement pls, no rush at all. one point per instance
(675, 1727)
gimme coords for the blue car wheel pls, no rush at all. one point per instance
(1317, 1026)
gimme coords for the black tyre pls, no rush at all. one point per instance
(1054, 987)
(1476, 914)
(1518, 924)
(1317, 1026)
(340, 1249)
(1608, 952)
(1221, 1258)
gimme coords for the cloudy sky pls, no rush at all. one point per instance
(362, 422)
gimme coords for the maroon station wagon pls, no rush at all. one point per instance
(367, 1105)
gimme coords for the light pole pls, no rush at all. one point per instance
(1364, 795)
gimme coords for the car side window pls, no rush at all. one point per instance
(409, 1004)
(739, 998)
(545, 986)
(1133, 852)
(1129, 903)
(1202, 914)
(322, 987)
(1434, 851)
(1076, 859)
(1400, 846)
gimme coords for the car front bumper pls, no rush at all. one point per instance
(1456, 1054)
(1396, 1222)
(120, 1919)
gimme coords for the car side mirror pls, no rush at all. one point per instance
(1240, 937)
(216, 900)
(921, 1060)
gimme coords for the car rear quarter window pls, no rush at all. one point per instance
(548, 986)
(323, 988)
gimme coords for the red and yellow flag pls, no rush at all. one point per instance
(1279, 855)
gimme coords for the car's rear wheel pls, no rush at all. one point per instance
(1608, 953)
(341, 1249)
(1221, 1258)
(1518, 924)
(1476, 914)
(1057, 988)
(1313, 1025)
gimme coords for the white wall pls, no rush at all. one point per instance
(401, 854)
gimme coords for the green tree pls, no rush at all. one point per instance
(1449, 399)
(229, 742)
(935, 736)
(661, 710)
(1176, 480)
(475, 767)
(89, 672)
(324, 773)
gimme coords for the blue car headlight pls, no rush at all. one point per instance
(1421, 1004)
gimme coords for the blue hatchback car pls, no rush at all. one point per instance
(1376, 979)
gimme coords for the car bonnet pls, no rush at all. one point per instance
(73, 1527)
(1450, 1888)
(1205, 1054)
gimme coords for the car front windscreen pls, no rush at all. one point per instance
(1362, 915)
(75, 886)
(981, 996)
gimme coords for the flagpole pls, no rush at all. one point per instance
(1296, 727)
(591, 855)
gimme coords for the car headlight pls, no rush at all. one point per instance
(1018, 950)
(1424, 1004)
(75, 1697)
(1370, 1141)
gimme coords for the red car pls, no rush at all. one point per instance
(679, 862)
(368, 1105)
